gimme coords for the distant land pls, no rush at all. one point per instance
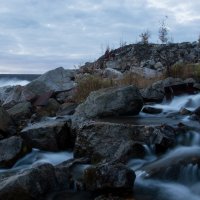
(28, 77)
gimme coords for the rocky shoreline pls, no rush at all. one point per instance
(41, 115)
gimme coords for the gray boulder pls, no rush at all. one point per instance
(15, 94)
(51, 135)
(55, 80)
(156, 91)
(31, 184)
(108, 178)
(110, 102)
(11, 150)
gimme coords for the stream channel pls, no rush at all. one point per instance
(175, 181)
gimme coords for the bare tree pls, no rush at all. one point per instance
(145, 37)
(163, 31)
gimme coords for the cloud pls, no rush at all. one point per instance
(39, 35)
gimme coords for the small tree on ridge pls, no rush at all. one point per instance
(163, 31)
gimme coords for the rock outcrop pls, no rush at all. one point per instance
(146, 59)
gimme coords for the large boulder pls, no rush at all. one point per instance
(11, 150)
(21, 112)
(32, 184)
(51, 135)
(55, 80)
(115, 101)
(12, 95)
(109, 178)
(156, 91)
(103, 141)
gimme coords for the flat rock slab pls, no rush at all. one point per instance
(104, 141)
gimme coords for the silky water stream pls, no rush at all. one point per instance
(176, 174)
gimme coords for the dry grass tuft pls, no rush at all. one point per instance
(184, 71)
(89, 84)
(138, 80)
(93, 83)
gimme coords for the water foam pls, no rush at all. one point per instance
(12, 82)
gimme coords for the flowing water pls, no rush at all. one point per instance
(37, 156)
(160, 177)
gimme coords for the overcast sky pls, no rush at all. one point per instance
(38, 35)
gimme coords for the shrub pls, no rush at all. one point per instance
(163, 31)
(145, 37)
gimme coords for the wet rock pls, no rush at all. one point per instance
(11, 150)
(197, 111)
(31, 184)
(69, 174)
(109, 102)
(55, 80)
(184, 111)
(103, 142)
(151, 110)
(6, 123)
(51, 135)
(109, 178)
(197, 86)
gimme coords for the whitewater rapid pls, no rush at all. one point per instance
(187, 184)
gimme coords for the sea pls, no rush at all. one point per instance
(16, 79)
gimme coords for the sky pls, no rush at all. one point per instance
(39, 35)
